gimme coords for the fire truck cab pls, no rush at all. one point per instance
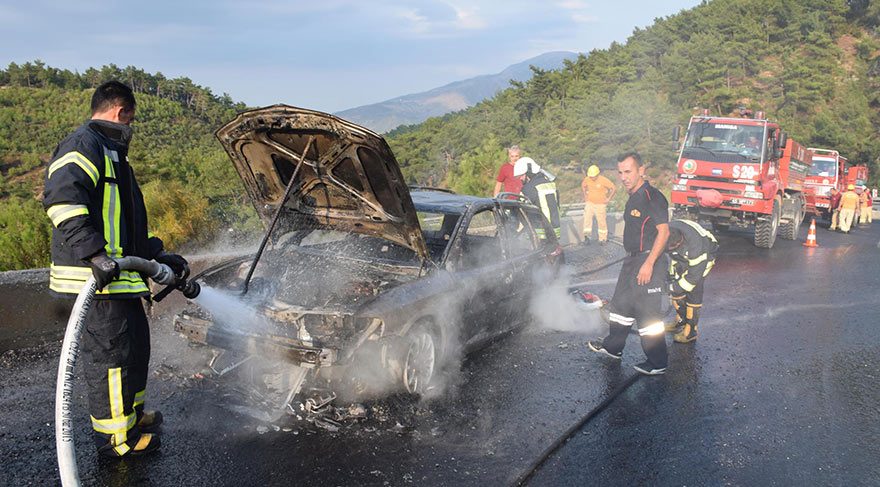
(828, 171)
(743, 172)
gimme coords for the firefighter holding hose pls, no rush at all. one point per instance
(98, 215)
(692, 251)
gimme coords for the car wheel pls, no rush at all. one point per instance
(419, 362)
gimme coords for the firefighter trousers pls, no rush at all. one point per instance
(597, 210)
(688, 305)
(639, 305)
(846, 219)
(117, 352)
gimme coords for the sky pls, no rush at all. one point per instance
(327, 55)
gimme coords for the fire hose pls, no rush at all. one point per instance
(64, 445)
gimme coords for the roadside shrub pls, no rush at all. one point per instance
(25, 231)
(178, 215)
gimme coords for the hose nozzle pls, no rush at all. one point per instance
(191, 289)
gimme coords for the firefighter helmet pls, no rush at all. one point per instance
(593, 171)
(524, 165)
(849, 186)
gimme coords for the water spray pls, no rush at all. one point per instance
(64, 445)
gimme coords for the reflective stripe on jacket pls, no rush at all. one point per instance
(548, 198)
(695, 257)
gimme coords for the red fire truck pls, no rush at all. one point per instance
(828, 171)
(858, 176)
(744, 172)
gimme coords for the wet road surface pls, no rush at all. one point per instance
(782, 388)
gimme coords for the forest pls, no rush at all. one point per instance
(812, 65)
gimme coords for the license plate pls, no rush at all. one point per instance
(822, 205)
(742, 202)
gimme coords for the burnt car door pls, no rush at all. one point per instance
(529, 257)
(477, 263)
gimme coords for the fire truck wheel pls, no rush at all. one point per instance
(765, 230)
(789, 230)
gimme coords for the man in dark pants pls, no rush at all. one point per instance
(692, 251)
(98, 214)
(641, 285)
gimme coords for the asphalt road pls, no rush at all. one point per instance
(782, 388)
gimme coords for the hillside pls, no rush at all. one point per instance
(416, 108)
(191, 187)
(812, 65)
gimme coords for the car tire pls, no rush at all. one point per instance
(419, 359)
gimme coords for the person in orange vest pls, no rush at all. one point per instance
(849, 203)
(598, 191)
(865, 207)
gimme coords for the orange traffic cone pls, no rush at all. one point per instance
(811, 235)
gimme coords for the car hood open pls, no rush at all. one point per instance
(349, 179)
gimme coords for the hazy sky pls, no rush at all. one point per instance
(322, 54)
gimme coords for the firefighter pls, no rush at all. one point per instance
(541, 191)
(849, 203)
(598, 191)
(641, 285)
(692, 251)
(835, 211)
(864, 207)
(98, 214)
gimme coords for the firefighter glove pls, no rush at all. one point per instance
(177, 263)
(104, 269)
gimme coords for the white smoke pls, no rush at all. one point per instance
(555, 307)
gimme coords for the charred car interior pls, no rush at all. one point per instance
(364, 286)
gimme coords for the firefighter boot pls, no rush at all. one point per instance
(142, 444)
(688, 333)
(149, 421)
(676, 326)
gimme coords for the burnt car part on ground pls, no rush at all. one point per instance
(367, 286)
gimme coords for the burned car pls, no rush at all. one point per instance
(360, 276)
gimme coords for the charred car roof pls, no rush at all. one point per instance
(348, 179)
(444, 202)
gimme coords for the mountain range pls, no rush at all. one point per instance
(418, 107)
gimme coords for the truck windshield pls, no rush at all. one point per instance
(724, 142)
(826, 168)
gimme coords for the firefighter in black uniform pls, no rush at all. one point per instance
(541, 191)
(98, 214)
(638, 296)
(692, 251)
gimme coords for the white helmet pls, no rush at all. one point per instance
(525, 164)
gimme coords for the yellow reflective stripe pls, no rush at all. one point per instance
(653, 329)
(114, 384)
(69, 279)
(143, 442)
(709, 267)
(700, 230)
(80, 160)
(687, 286)
(111, 213)
(70, 271)
(698, 260)
(117, 407)
(150, 234)
(139, 397)
(59, 213)
(110, 156)
(113, 426)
